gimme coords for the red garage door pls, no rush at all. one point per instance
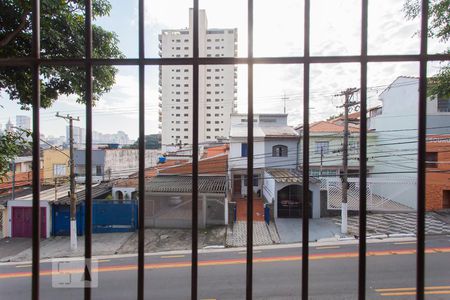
(22, 224)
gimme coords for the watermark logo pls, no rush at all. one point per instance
(75, 273)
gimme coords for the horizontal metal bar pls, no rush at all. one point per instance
(29, 61)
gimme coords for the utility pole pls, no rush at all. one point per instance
(284, 98)
(13, 191)
(348, 95)
(72, 194)
(321, 160)
(56, 191)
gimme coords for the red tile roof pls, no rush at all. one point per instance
(216, 165)
(325, 126)
(214, 151)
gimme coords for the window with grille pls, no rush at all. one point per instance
(279, 151)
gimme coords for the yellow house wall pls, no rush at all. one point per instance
(51, 158)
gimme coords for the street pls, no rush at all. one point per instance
(333, 274)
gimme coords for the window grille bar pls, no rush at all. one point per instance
(195, 116)
(88, 203)
(363, 155)
(305, 160)
(36, 214)
(422, 107)
(249, 261)
(34, 62)
(27, 61)
(141, 210)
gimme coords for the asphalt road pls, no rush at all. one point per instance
(333, 274)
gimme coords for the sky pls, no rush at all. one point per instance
(278, 31)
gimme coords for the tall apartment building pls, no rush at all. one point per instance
(217, 85)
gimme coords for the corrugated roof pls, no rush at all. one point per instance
(279, 131)
(97, 191)
(263, 131)
(216, 165)
(289, 176)
(183, 184)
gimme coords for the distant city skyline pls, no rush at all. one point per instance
(79, 136)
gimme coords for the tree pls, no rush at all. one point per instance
(12, 144)
(152, 141)
(62, 36)
(439, 27)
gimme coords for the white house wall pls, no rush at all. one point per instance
(236, 161)
(289, 162)
(269, 188)
(122, 162)
(395, 153)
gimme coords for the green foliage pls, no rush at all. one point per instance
(152, 141)
(438, 27)
(12, 144)
(62, 36)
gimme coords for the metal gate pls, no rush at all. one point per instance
(21, 222)
(114, 216)
(108, 216)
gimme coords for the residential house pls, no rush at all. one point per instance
(326, 144)
(395, 123)
(274, 146)
(168, 195)
(21, 177)
(277, 182)
(56, 164)
(108, 164)
(438, 172)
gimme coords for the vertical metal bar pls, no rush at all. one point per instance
(141, 211)
(88, 204)
(305, 179)
(195, 107)
(36, 216)
(422, 126)
(363, 155)
(249, 265)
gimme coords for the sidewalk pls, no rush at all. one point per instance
(157, 240)
(398, 223)
(263, 234)
(290, 230)
(102, 244)
(19, 249)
